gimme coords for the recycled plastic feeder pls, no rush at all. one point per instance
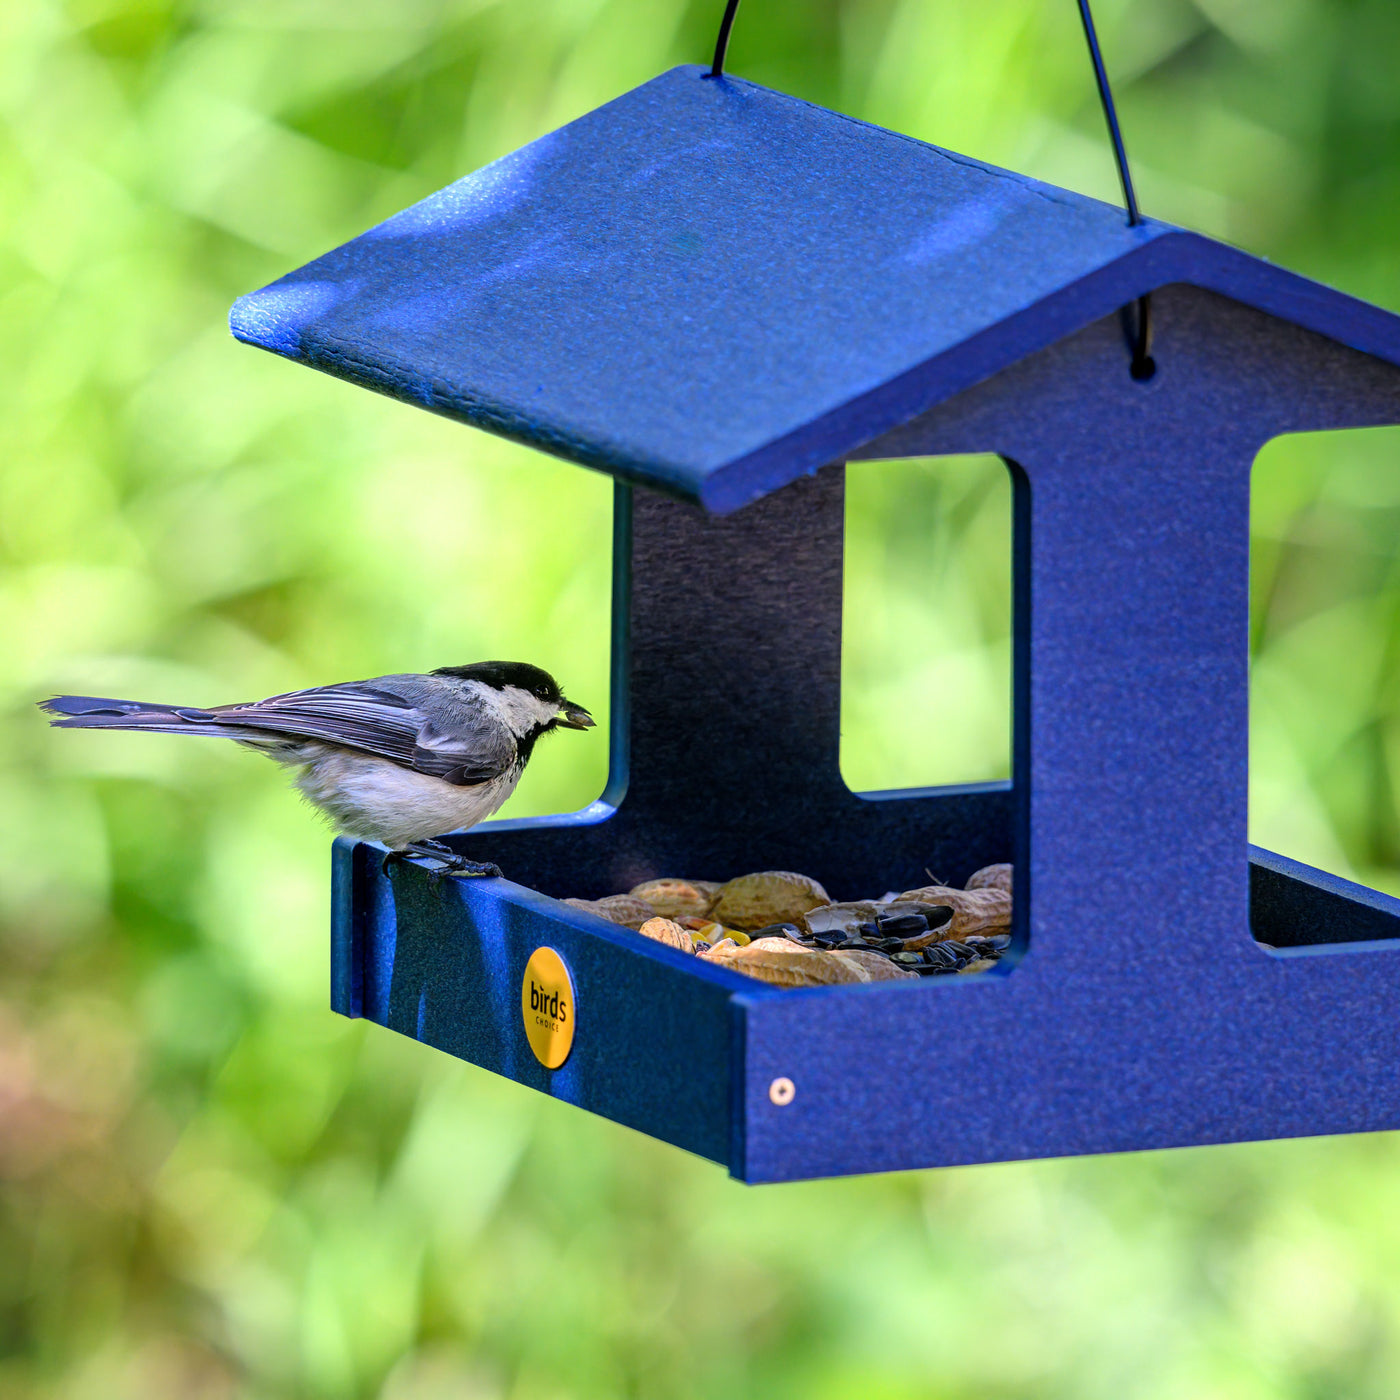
(719, 294)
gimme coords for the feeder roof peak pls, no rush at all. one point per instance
(711, 288)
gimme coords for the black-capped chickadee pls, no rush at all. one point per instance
(396, 759)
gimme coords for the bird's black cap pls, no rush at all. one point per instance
(499, 674)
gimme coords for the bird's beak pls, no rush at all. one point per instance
(573, 716)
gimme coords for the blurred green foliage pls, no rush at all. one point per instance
(214, 1188)
(926, 653)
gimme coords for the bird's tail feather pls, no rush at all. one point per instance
(90, 712)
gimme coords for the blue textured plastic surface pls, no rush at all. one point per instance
(711, 288)
(715, 290)
(444, 965)
(1140, 1011)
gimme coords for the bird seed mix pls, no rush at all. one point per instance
(782, 928)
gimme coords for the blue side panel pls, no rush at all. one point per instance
(1141, 1013)
(443, 964)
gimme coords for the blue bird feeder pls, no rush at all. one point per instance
(719, 294)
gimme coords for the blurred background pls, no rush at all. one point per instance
(214, 1188)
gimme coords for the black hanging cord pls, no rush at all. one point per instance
(722, 42)
(1110, 113)
(1143, 366)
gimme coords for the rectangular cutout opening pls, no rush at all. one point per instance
(1324, 727)
(926, 644)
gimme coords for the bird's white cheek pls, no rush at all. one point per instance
(521, 711)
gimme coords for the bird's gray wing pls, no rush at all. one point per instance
(458, 742)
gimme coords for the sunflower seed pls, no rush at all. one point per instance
(902, 925)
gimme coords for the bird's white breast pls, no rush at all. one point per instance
(372, 798)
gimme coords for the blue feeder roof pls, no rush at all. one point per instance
(712, 288)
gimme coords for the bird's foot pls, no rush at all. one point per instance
(450, 863)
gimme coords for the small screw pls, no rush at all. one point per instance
(781, 1092)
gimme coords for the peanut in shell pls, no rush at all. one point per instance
(678, 899)
(669, 933)
(786, 964)
(622, 909)
(767, 897)
(874, 967)
(719, 951)
(991, 877)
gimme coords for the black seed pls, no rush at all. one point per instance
(906, 959)
(902, 925)
(778, 931)
(858, 945)
(942, 955)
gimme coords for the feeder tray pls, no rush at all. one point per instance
(720, 294)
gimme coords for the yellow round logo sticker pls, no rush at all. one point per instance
(547, 1004)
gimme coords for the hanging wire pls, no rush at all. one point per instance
(722, 42)
(1110, 113)
(1143, 366)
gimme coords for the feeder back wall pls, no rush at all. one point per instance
(720, 293)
